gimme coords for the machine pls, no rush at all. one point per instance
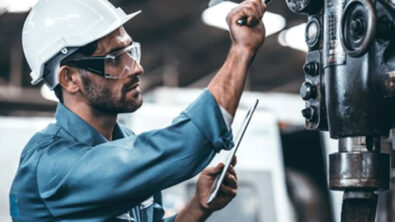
(349, 91)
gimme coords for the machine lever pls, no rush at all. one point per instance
(242, 21)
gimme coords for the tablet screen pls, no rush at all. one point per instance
(220, 178)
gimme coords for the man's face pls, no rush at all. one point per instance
(113, 95)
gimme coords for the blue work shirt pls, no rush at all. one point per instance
(70, 172)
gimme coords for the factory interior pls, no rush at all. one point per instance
(283, 169)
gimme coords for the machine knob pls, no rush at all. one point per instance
(311, 68)
(358, 27)
(309, 113)
(308, 91)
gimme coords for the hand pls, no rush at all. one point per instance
(227, 190)
(197, 209)
(252, 35)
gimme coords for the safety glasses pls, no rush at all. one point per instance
(116, 65)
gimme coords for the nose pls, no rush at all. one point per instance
(138, 69)
(133, 68)
(135, 71)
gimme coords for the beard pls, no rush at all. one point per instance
(100, 97)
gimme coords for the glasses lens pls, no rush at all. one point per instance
(122, 63)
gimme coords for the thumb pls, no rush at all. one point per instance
(212, 171)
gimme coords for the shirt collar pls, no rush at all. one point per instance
(81, 130)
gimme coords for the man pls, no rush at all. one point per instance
(86, 167)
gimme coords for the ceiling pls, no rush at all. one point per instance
(178, 50)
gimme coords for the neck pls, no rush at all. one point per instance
(103, 122)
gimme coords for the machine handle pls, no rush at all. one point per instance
(242, 21)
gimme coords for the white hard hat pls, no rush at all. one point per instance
(53, 27)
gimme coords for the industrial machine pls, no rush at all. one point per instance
(349, 91)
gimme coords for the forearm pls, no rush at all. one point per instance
(227, 86)
(192, 212)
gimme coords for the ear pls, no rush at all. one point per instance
(69, 79)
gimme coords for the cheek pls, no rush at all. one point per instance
(109, 90)
(118, 91)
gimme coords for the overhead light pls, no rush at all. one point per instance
(48, 94)
(216, 16)
(294, 37)
(17, 6)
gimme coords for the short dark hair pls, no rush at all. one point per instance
(86, 50)
(58, 93)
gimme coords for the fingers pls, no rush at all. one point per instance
(228, 191)
(232, 171)
(212, 171)
(253, 10)
(251, 14)
(231, 180)
(234, 161)
(258, 4)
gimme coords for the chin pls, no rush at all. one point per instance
(131, 105)
(138, 104)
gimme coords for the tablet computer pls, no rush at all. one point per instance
(220, 177)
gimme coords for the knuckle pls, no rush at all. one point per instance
(255, 4)
(249, 8)
(230, 14)
(264, 8)
(234, 193)
(229, 18)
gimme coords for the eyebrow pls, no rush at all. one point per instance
(118, 48)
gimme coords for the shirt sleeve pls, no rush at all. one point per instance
(113, 177)
(227, 117)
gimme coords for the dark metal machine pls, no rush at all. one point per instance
(350, 91)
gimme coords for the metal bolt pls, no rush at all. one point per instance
(308, 91)
(309, 113)
(64, 51)
(311, 68)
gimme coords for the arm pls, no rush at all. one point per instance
(228, 84)
(76, 181)
(226, 88)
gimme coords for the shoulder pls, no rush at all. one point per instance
(57, 150)
(40, 139)
(47, 156)
(51, 137)
(56, 160)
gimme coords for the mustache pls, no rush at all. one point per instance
(133, 81)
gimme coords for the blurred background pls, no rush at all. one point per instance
(282, 167)
(179, 48)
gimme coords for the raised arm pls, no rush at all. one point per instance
(228, 84)
(226, 88)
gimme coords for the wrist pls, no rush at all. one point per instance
(242, 54)
(193, 212)
(199, 210)
(243, 51)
